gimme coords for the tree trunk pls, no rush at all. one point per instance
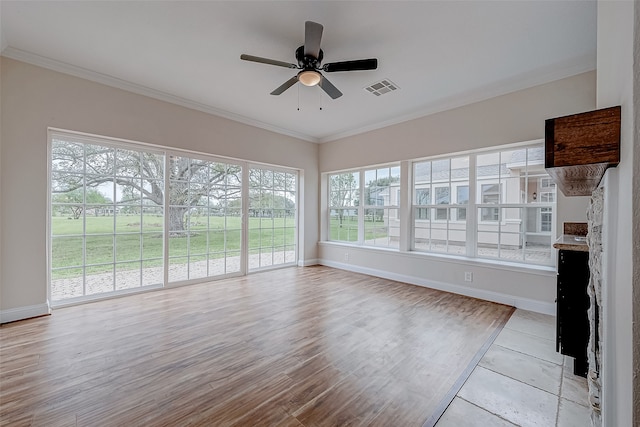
(176, 220)
(76, 211)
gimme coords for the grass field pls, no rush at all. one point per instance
(347, 230)
(137, 238)
(141, 239)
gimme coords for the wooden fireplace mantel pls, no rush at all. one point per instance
(579, 148)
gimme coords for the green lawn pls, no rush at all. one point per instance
(142, 239)
(347, 229)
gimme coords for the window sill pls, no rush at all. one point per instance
(543, 270)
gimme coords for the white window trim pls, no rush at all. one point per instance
(166, 151)
(361, 208)
(407, 213)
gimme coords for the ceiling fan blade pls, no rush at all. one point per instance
(312, 38)
(357, 65)
(331, 90)
(267, 61)
(284, 86)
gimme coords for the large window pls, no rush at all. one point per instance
(123, 216)
(363, 206)
(495, 204)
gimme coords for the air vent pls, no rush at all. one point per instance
(382, 87)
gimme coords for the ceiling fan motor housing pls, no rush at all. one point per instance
(308, 62)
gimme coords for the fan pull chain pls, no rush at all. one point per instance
(298, 87)
(320, 95)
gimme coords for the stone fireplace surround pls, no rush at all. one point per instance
(594, 290)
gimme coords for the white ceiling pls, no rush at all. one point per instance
(441, 54)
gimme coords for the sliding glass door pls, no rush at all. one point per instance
(124, 216)
(205, 227)
(272, 217)
(106, 218)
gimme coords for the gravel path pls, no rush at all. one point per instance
(62, 289)
(71, 287)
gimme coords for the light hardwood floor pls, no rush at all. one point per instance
(291, 347)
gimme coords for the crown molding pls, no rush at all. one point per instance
(62, 67)
(569, 68)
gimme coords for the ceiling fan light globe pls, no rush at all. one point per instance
(309, 78)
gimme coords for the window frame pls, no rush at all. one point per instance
(419, 212)
(361, 210)
(141, 147)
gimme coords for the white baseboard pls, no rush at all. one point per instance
(21, 313)
(514, 301)
(308, 262)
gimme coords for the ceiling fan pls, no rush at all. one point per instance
(309, 58)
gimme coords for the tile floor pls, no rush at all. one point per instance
(522, 381)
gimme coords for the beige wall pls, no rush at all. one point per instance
(34, 99)
(515, 117)
(621, 301)
(510, 118)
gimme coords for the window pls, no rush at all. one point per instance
(513, 225)
(462, 198)
(547, 193)
(492, 204)
(546, 218)
(272, 217)
(381, 225)
(119, 210)
(433, 229)
(106, 216)
(423, 197)
(442, 198)
(204, 218)
(363, 206)
(490, 194)
(344, 198)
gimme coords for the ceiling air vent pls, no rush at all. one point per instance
(382, 87)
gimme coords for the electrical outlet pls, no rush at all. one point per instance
(468, 276)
